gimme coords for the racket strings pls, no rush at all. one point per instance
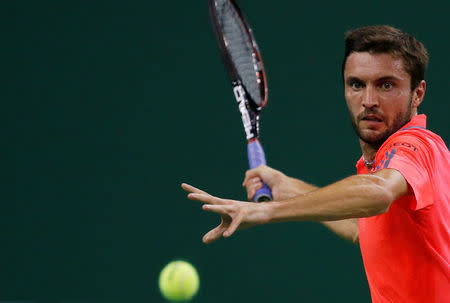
(240, 47)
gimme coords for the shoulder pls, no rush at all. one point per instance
(414, 140)
(413, 144)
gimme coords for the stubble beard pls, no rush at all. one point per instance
(377, 140)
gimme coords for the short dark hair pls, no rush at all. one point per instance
(380, 39)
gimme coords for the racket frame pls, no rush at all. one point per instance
(249, 108)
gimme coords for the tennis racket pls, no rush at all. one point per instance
(243, 62)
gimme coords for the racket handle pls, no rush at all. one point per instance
(256, 158)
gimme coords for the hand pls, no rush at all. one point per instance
(234, 214)
(282, 186)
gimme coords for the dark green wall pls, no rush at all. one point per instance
(109, 105)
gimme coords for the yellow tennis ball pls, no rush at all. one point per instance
(179, 281)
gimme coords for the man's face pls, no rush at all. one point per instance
(378, 95)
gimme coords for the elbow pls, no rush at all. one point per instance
(377, 195)
(385, 203)
(381, 196)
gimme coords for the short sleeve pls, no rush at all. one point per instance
(409, 156)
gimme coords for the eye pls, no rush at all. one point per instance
(356, 85)
(387, 85)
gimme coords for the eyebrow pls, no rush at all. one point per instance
(350, 80)
(388, 78)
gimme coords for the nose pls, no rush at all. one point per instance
(369, 97)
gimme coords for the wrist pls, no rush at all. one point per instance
(268, 211)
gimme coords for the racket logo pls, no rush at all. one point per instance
(239, 94)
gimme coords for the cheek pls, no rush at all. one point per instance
(352, 100)
(396, 94)
(393, 107)
(349, 94)
(395, 100)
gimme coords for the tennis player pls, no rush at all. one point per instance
(397, 207)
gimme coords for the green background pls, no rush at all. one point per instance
(109, 105)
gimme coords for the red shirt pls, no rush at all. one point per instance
(406, 251)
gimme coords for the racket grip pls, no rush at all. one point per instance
(256, 158)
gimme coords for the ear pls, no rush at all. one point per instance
(418, 94)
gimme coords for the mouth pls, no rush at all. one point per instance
(372, 118)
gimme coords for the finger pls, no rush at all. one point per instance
(250, 193)
(253, 180)
(214, 234)
(218, 209)
(233, 226)
(251, 190)
(251, 173)
(257, 185)
(256, 180)
(205, 198)
(192, 189)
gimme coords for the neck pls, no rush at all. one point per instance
(369, 152)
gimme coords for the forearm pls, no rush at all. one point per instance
(346, 229)
(353, 197)
(301, 187)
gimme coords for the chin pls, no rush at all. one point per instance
(373, 137)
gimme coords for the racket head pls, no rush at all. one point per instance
(239, 50)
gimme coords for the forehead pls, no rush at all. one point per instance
(365, 65)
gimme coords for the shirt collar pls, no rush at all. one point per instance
(419, 120)
(416, 121)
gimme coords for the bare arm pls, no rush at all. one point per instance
(347, 229)
(353, 197)
(285, 187)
